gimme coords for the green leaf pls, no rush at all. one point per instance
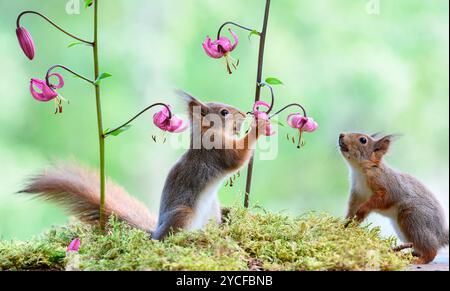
(101, 77)
(120, 131)
(253, 32)
(273, 81)
(87, 3)
(75, 43)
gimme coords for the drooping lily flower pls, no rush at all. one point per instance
(74, 246)
(303, 124)
(222, 48)
(26, 42)
(163, 121)
(264, 116)
(44, 93)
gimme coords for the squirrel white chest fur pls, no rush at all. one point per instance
(205, 205)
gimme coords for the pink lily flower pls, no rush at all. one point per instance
(303, 124)
(298, 121)
(264, 116)
(74, 246)
(163, 121)
(26, 42)
(44, 93)
(222, 48)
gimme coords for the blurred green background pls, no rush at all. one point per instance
(354, 70)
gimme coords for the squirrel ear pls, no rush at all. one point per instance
(193, 103)
(382, 145)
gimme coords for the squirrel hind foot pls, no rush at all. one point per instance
(426, 257)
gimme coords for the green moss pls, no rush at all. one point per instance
(247, 240)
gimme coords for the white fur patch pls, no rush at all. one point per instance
(204, 206)
(360, 186)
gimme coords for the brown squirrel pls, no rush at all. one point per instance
(189, 199)
(416, 214)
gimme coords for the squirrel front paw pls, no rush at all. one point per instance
(361, 214)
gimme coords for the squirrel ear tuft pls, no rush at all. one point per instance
(376, 134)
(192, 102)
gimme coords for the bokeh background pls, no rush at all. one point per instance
(354, 68)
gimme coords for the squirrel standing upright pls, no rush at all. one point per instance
(189, 199)
(416, 214)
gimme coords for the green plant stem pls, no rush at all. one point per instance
(53, 24)
(262, 44)
(106, 134)
(101, 138)
(50, 70)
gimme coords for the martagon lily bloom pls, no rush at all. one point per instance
(26, 42)
(298, 121)
(264, 116)
(74, 246)
(44, 93)
(222, 48)
(303, 124)
(163, 121)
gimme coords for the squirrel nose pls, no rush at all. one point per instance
(341, 136)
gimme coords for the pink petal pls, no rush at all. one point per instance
(225, 44)
(60, 81)
(45, 94)
(269, 131)
(26, 42)
(212, 49)
(260, 104)
(236, 40)
(74, 246)
(176, 125)
(296, 120)
(310, 125)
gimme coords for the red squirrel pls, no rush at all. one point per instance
(189, 199)
(416, 214)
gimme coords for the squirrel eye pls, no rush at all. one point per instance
(224, 112)
(363, 140)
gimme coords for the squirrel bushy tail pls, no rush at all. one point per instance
(77, 189)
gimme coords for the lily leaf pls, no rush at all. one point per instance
(253, 32)
(87, 3)
(273, 81)
(101, 77)
(120, 131)
(75, 43)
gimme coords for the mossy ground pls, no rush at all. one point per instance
(247, 240)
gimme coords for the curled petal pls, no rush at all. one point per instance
(26, 42)
(60, 81)
(301, 122)
(225, 44)
(236, 40)
(43, 92)
(310, 125)
(296, 120)
(74, 246)
(212, 49)
(163, 121)
(260, 104)
(177, 125)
